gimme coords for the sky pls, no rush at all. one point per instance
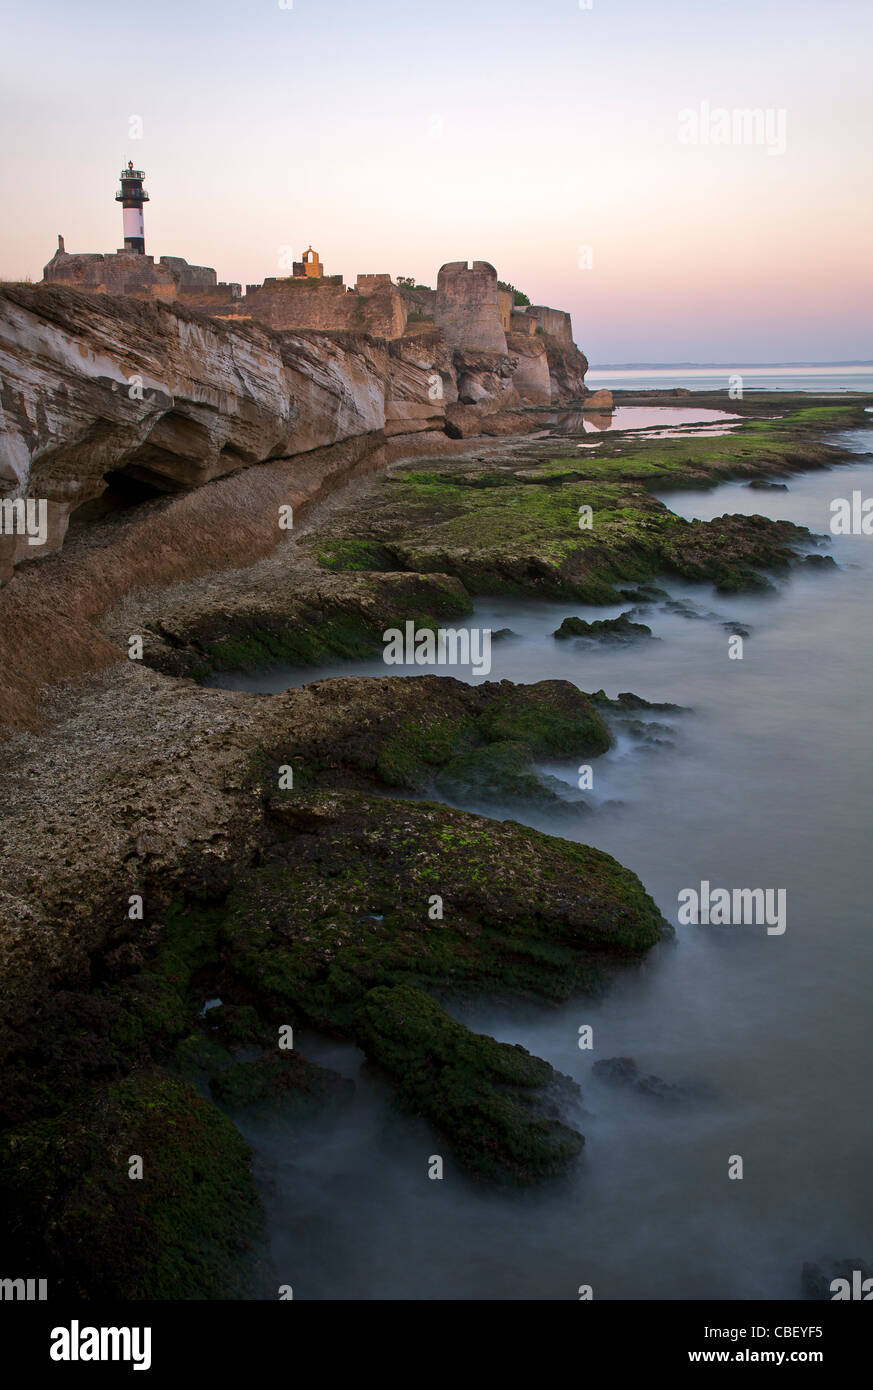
(589, 151)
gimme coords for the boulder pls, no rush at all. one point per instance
(599, 400)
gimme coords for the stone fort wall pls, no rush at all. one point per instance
(127, 272)
(467, 306)
(374, 306)
(555, 322)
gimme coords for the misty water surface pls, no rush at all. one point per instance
(765, 781)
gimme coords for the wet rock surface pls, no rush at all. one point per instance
(625, 1072)
(307, 904)
(603, 629)
(72, 1209)
(323, 900)
(281, 1079)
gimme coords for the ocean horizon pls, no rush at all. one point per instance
(837, 377)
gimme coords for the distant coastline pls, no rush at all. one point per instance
(725, 366)
(736, 378)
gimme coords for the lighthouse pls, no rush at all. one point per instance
(131, 196)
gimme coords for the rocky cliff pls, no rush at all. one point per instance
(108, 393)
(191, 434)
(100, 389)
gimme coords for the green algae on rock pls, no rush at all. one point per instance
(283, 1078)
(527, 538)
(420, 543)
(322, 895)
(381, 903)
(104, 992)
(235, 1024)
(417, 733)
(497, 773)
(516, 530)
(346, 907)
(314, 618)
(620, 627)
(490, 1097)
(181, 1231)
(291, 906)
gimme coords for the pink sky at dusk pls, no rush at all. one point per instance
(535, 136)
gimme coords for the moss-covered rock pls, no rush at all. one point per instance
(156, 1003)
(353, 904)
(354, 554)
(180, 1231)
(489, 1098)
(610, 629)
(198, 1057)
(527, 539)
(626, 701)
(321, 896)
(418, 544)
(259, 641)
(498, 773)
(236, 1024)
(321, 617)
(420, 733)
(522, 530)
(731, 551)
(551, 718)
(280, 1078)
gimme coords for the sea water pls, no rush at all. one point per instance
(765, 780)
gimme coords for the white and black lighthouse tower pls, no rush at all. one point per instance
(131, 196)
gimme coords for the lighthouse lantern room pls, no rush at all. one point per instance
(132, 195)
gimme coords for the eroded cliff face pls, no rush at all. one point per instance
(97, 385)
(567, 368)
(100, 391)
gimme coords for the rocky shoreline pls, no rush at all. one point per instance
(313, 903)
(425, 541)
(306, 905)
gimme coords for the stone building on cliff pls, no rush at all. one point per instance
(138, 275)
(469, 308)
(499, 352)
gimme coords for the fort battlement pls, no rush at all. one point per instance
(554, 322)
(121, 272)
(520, 321)
(467, 306)
(326, 304)
(469, 309)
(473, 311)
(135, 274)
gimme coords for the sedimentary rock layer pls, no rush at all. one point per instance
(106, 392)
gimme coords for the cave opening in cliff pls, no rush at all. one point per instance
(123, 491)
